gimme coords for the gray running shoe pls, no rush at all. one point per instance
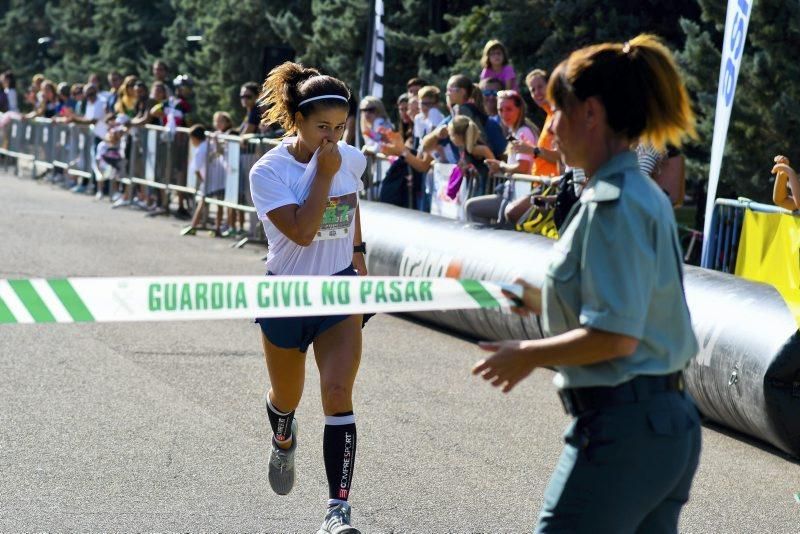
(337, 521)
(281, 465)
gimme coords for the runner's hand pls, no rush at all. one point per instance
(360, 264)
(328, 159)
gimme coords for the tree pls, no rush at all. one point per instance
(765, 120)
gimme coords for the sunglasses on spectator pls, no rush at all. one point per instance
(489, 92)
(452, 89)
(368, 110)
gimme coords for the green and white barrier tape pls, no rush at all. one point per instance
(68, 300)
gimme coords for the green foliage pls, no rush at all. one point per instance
(99, 35)
(765, 120)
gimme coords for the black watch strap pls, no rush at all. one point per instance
(362, 248)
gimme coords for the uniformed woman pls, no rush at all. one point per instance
(612, 302)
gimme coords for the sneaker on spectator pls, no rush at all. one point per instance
(228, 232)
(141, 204)
(183, 214)
(156, 212)
(120, 202)
(79, 189)
(189, 230)
(99, 195)
(116, 196)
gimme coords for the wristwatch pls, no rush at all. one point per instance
(362, 248)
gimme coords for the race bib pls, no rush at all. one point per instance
(337, 218)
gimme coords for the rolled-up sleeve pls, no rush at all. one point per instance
(618, 271)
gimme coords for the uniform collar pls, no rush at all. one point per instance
(606, 184)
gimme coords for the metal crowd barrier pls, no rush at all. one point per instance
(378, 165)
(154, 157)
(726, 230)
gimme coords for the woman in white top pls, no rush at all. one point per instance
(511, 109)
(306, 193)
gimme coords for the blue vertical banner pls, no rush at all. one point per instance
(736, 22)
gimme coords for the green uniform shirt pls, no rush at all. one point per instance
(617, 267)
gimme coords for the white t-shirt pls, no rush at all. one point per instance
(424, 125)
(523, 133)
(97, 111)
(277, 179)
(198, 163)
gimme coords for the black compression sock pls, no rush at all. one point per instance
(280, 422)
(339, 451)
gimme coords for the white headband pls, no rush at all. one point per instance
(307, 100)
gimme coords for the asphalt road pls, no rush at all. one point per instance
(161, 427)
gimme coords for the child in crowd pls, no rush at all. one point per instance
(214, 188)
(429, 116)
(374, 122)
(109, 158)
(414, 85)
(496, 64)
(786, 193)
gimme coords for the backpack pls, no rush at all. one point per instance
(394, 186)
(495, 138)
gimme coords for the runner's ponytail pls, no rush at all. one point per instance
(289, 84)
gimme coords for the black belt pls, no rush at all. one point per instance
(579, 400)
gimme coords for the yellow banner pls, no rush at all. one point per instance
(769, 252)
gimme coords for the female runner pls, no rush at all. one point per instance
(306, 193)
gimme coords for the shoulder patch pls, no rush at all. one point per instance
(606, 189)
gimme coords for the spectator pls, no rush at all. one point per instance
(109, 161)
(466, 98)
(223, 123)
(3, 102)
(110, 96)
(10, 89)
(161, 74)
(374, 122)
(405, 122)
(38, 87)
(198, 167)
(546, 156)
(65, 105)
(496, 64)
(153, 105)
(511, 106)
(429, 116)
(667, 168)
(94, 115)
(142, 106)
(94, 79)
(127, 97)
(76, 93)
(414, 85)
(48, 105)
(473, 150)
(489, 89)
(786, 193)
(176, 109)
(248, 94)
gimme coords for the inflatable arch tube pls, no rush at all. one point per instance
(745, 377)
